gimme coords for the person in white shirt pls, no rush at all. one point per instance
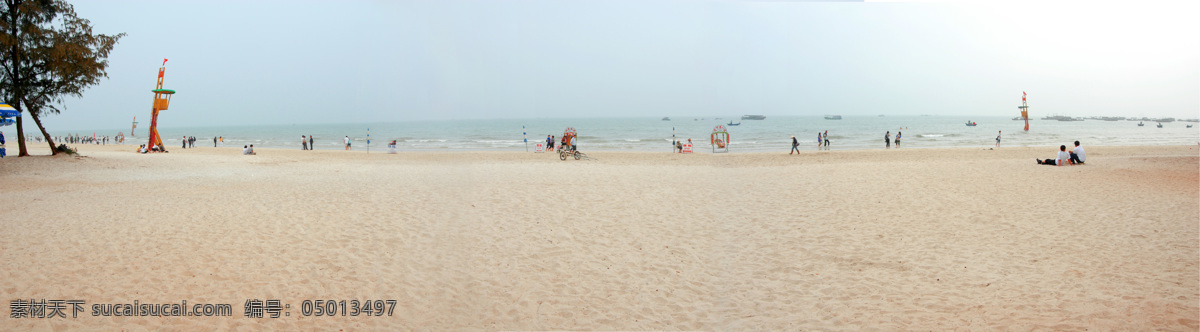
(245, 149)
(1063, 157)
(347, 142)
(1077, 155)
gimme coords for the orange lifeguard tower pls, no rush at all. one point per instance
(1024, 110)
(162, 98)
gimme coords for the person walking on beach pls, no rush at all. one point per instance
(347, 143)
(795, 146)
(887, 138)
(897, 140)
(303, 143)
(214, 141)
(826, 139)
(998, 137)
(549, 143)
(311, 145)
(818, 140)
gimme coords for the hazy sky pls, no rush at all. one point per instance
(302, 62)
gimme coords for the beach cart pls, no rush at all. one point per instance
(568, 147)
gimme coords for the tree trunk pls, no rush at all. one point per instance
(14, 20)
(21, 151)
(53, 150)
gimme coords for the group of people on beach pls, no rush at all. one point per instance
(306, 143)
(887, 139)
(153, 148)
(1064, 157)
(189, 142)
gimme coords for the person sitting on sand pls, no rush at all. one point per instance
(1077, 155)
(245, 150)
(142, 148)
(1063, 157)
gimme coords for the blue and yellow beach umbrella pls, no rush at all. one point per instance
(6, 113)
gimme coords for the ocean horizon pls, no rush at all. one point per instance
(653, 134)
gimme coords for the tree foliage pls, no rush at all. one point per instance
(49, 54)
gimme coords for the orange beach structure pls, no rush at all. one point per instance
(162, 98)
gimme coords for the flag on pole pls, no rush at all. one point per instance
(368, 140)
(672, 139)
(164, 62)
(525, 135)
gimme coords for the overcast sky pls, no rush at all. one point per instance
(303, 62)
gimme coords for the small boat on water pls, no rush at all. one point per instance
(1160, 125)
(1141, 124)
(753, 117)
(734, 124)
(971, 124)
(1189, 126)
(665, 118)
(833, 117)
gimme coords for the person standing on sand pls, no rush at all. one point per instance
(347, 143)
(303, 143)
(214, 141)
(311, 146)
(897, 140)
(887, 138)
(818, 140)
(998, 137)
(795, 146)
(2, 151)
(826, 139)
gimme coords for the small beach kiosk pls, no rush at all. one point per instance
(162, 98)
(719, 139)
(8, 115)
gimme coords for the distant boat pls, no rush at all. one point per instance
(1141, 124)
(833, 117)
(1018, 118)
(971, 124)
(753, 117)
(666, 118)
(1160, 125)
(739, 123)
(1059, 118)
(1189, 126)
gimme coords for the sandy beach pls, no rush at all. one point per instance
(901, 239)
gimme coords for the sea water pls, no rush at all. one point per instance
(653, 134)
